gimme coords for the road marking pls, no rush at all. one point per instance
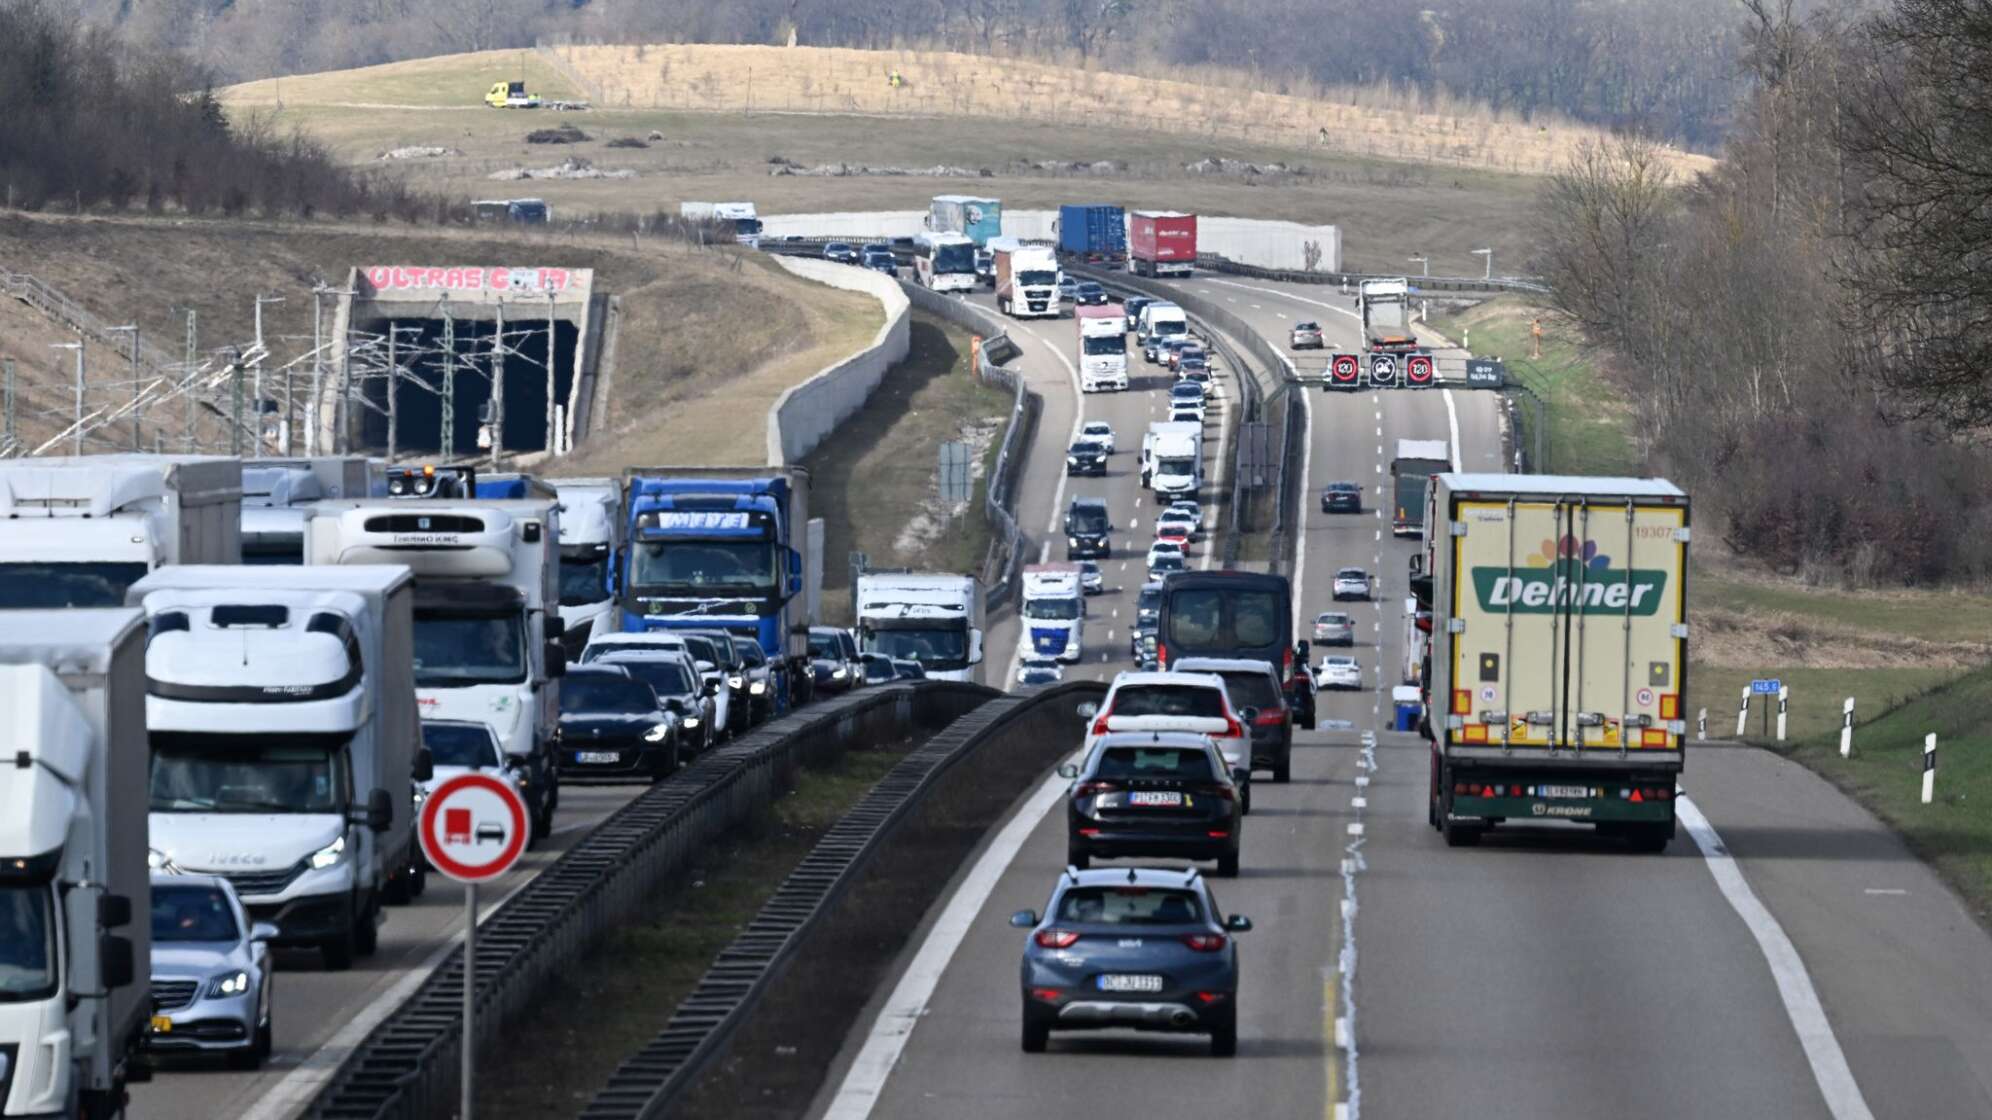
(1452, 421)
(1801, 1002)
(1884, 890)
(1255, 307)
(1379, 470)
(1379, 534)
(908, 1002)
(1110, 635)
(1329, 1025)
(1379, 448)
(1379, 435)
(1355, 827)
(1300, 538)
(1359, 803)
(1281, 314)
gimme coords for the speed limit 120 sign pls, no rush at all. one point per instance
(473, 828)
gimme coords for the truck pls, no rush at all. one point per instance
(1557, 679)
(592, 535)
(276, 492)
(724, 548)
(1102, 347)
(1054, 611)
(1385, 309)
(1093, 234)
(1417, 460)
(487, 623)
(1161, 243)
(1026, 279)
(79, 531)
(741, 216)
(73, 875)
(978, 219)
(1172, 458)
(511, 95)
(286, 742)
(932, 618)
(1157, 321)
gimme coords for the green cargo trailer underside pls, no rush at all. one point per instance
(1587, 809)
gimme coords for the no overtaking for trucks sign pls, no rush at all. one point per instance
(473, 828)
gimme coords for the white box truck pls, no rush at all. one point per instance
(79, 531)
(1557, 677)
(1172, 459)
(1054, 611)
(1026, 279)
(286, 741)
(276, 492)
(75, 895)
(931, 618)
(741, 216)
(592, 529)
(487, 621)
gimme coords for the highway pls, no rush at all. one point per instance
(1789, 958)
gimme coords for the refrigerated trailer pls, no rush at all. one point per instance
(1557, 676)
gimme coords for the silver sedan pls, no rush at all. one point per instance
(210, 972)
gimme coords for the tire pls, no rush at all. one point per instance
(398, 891)
(1651, 839)
(251, 1056)
(1078, 857)
(1227, 865)
(1035, 1034)
(1460, 835)
(366, 937)
(1283, 773)
(419, 881)
(265, 1040)
(1224, 1038)
(339, 951)
(1245, 800)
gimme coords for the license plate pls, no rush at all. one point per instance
(1155, 798)
(596, 756)
(1119, 982)
(1563, 791)
(162, 1025)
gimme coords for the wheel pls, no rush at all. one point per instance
(366, 937)
(339, 951)
(1283, 773)
(398, 891)
(1078, 857)
(1224, 1038)
(1461, 835)
(1036, 1033)
(1227, 865)
(419, 879)
(265, 1041)
(1650, 838)
(247, 1058)
(1245, 800)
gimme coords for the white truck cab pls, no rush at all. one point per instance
(1054, 611)
(931, 618)
(591, 543)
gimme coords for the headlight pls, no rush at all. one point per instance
(329, 855)
(758, 687)
(838, 672)
(1072, 460)
(734, 682)
(691, 721)
(658, 733)
(421, 795)
(228, 984)
(1072, 542)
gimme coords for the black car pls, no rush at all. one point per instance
(908, 670)
(879, 669)
(611, 727)
(833, 659)
(1086, 457)
(1342, 497)
(1086, 529)
(1089, 292)
(717, 647)
(1153, 793)
(1255, 690)
(679, 691)
(1133, 308)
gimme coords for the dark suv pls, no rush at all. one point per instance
(1255, 691)
(1086, 457)
(1086, 528)
(1153, 793)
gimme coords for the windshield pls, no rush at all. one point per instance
(719, 652)
(27, 943)
(747, 225)
(30, 586)
(457, 650)
(1129, 906)
(1051, 608)
(750, 652)
(1190, 700)
(459, 744)
(1149, 604)
(1086, 519)
(192, 914)
(1176, 466)
(665, 678)
(954, 258)
(1197, 619)
(825, 646)
(584, 575)
(212, 773)
(1167, 327)
(935, 648)
(603, 694)
(1106, 344)
(742, 565)
(270, 549)
(1037, 276)
(1253, 690)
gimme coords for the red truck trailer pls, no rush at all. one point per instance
(1161, 243)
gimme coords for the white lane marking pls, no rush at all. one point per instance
(1110, 635)
(1801, 1003)
(1379, 449)
(1355, 827)
(1884, 890)
(1379, 470)
(1452, 421)
(1256, 307)
(1359, 803)
(902, 1011)
(1281, 314)
(1379, 435)
(1286, 296)
(1379, 536)
(1353, 864)
(1300, 538)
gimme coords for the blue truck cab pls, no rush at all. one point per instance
(718, 548)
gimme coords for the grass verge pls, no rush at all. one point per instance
(1954, 832)
(876, 482)
(606, 1013)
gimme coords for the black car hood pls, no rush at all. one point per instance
(589, 726)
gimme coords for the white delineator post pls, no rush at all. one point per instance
(1929, 767)
(1784, 700)
(1743, 712)
(1847, 728)
(1701, 725)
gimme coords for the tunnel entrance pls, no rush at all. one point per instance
(447, 367)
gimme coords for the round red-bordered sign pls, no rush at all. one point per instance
(473, 828)
(1418, 369)
(1343, 368)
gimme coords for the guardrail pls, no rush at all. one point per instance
(408, 1068)
(651, 1082)
(1217, 263)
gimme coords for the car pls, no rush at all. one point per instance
(882, 262)
(907, 669)
(1186, 414)
(985, 266)
(760, 678)
(612, 727)
(879, 669)
(833, 659)
(699, 647)
(875, 247)
(1164, 548)
(1177, 517)
(680, 689)
(1174, 532)
(1088, 529)
(1352, 583)
(1092, 581)
(840, 252)
(1160, 347)
(1189, 506)
(1145, 657)
(1255, 690)
(1194, 367)
(1086, 457)
(463, 746)
(1148, 605)
(1342, 497)
(1039, 671)
(1340, 671)
(210, 970)
(736, 715)
(1147, 949)
(1133, 308)
(490, 832)
(1190, 349)
(1333, 628)
(1068, 290)
(1089, 292)
(1305, 336)
(1194, 702)
(1153, 793)
(1099, 431)
(1159, 567)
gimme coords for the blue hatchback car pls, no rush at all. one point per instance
(1140, 948)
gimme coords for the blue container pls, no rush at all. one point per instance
(1095, 232)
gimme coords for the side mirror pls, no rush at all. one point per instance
(113, 910)
(425, 764)
(1024, 919)
(1088, 709)
(1301, 649)
(975, 647)
(711, 688)
(263, 931)
(675, 705)
(556, 626)
(114, 961)
(380, 811)
(1068, 770)
(556, 660)
(1238, 923)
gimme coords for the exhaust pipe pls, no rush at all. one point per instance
(1182, 1019)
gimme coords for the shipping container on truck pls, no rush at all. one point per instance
(1416, 461)
(1161, 243)
(1557, 680)
(1093, 234)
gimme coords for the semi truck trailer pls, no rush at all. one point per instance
(1161, 243)
(277, 492)
(1417, 460)
(1093, 234)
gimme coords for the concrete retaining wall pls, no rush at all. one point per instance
(805, 414)
(1253, 242)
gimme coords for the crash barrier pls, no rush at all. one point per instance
(1021, 737)
(805, 414)
(999, 499)
(408, 1068)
